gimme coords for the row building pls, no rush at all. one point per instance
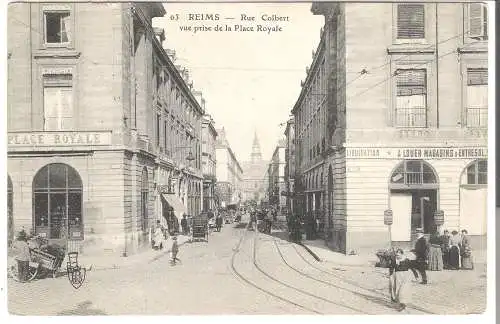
(229, 185)
(403, 132)
(277, 192)
(104, 132)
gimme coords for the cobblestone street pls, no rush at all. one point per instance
(245, 272)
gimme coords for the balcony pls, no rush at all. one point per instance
(477, 117)
(415, 117)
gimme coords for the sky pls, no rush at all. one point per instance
(249, 79)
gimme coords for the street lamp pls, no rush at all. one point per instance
(422, 199)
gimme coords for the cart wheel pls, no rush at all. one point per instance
(32, 272)
(12, 267)
(13, 271)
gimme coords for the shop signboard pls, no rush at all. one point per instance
(57, 139)
(417, 153)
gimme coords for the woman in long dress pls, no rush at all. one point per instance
(398, 278)
(454, 254)
(158, 236)
(435, 254)
(466, 250)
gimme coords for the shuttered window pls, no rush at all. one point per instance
(478, 21)
(58, 102)
(411, 98)
(411, 21)
(477, 97)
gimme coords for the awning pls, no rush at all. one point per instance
(176, 204)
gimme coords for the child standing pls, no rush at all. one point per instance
(174, 250)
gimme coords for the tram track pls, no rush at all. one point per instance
(302, 291)
(377, 296)
(254, 285)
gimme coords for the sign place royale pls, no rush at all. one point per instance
(56, 139)
(417, 153)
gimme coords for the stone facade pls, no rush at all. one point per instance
(229, 173)
(209, 162)
(405, 130)
(97, 137)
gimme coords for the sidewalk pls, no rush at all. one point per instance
(96, 262)
(325, 254)
(364, 258)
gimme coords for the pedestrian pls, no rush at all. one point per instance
(218, 222)
(435, 253)
(421, 251)
(184, 224)
(158, 236)
(23, 256)
(466, 252)
(398, 277)
(174, 251)
(445, 248)
(454, 255)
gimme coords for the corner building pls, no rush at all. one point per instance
(100, 124)
(406, 121)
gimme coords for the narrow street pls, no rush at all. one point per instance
(236, 272)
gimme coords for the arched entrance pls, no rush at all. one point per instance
(474, 197)
(10, 211)
(57, 202)
(413, 187)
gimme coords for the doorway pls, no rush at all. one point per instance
(414, 198)
(422, 204)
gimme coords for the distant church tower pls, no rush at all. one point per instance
(256, 155)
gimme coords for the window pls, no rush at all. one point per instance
(10, 214)
(165, 137)
(57, 202)
(58, 102)
(477, 172)
(410, 21)
(157, 130)
(477, 97)
(411, 98)
(57, 27)
(413, 172)
(144, 200)
(478, 21)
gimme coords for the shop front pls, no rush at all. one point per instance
(75, 190)
(418, 185)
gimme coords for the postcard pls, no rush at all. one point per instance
(249, 158)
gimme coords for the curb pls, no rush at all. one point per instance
(94, 267)
(310, 251)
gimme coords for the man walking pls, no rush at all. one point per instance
(421, 251)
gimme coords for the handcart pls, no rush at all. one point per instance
(200, 227)
(42, 264)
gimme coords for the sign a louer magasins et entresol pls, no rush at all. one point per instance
(59, 138)
(417, 153)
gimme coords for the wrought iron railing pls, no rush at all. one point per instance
(477, 117)
(411, 117)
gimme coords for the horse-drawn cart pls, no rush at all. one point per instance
(200, 227)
